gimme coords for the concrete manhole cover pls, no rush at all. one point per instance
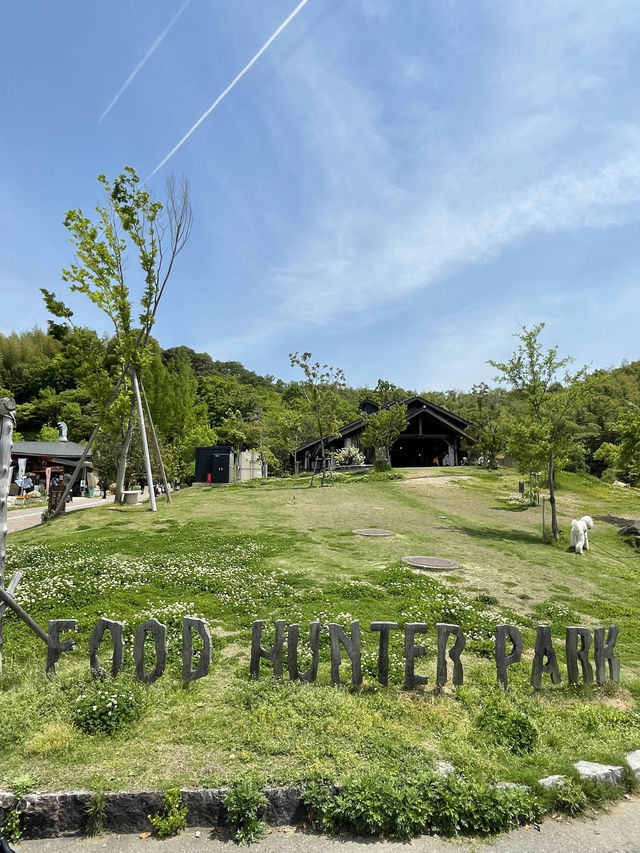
(431, 563)
(373, 531)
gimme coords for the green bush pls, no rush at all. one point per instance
(568, 797)
(381, 465)
(509, 728)
(245, 803)
(384, 806)
(12, 824)
(172, 817)
(105, 707)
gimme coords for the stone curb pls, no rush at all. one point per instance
(52, 815)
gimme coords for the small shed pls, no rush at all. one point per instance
(214, 465)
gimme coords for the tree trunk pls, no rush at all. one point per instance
(552, 496)
(122, 461)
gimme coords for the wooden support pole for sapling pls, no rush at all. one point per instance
(145, 445)
(156, 443)
(7, 421)
(22, 614)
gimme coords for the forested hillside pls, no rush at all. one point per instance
(67, 373)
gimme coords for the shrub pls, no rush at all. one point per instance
(12, 824)
(381, 465)
(509, 728)
(103, 708)
(11, 827)
(568, 797)
(245, 802)
(382, 805)
(349, 456)
(172, 817)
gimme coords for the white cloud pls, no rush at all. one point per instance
(377, 8)
(385, 228)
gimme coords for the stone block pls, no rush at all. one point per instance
(7, 801)
(552, 781)
(511, 785)
(204, 806)
(284, 806)
(54, 815)
(599, 772)
(128, 811)
(633, 760)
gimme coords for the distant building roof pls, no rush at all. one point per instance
(414, 406)
(58, 449)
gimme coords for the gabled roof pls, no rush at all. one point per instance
(454, 422)
(59, 449)
(427, 404)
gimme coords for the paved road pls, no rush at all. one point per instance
(19, 519)
(617, 831)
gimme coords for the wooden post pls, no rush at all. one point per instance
(145, 445)
(156, 443)
(544, 532)
(7, 421)
(22, 614)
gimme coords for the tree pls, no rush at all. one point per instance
(628, 428)
(238, 433)
(320, 389)
(544, 434)
(130, 221)
(383, 427)
(386, 392)
(488, 423)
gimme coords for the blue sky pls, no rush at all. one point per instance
(395, 185)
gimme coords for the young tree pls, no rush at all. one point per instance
(547, 407)
(320, 388)
(130, 221)
(383, 427)
(488, 423)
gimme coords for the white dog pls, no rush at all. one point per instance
(579, 538)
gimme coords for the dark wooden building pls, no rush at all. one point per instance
(432, 436)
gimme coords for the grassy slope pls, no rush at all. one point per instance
(286, 551)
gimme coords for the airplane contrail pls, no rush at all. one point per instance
(151, 50)
(230, 86)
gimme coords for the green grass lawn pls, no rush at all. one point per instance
(281, 550)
